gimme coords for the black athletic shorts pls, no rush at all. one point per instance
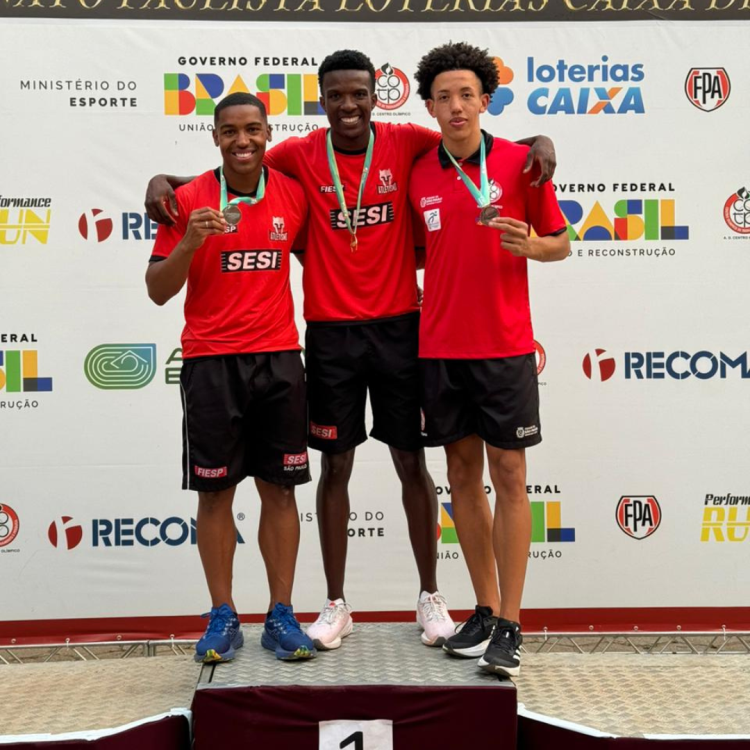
(244, 415)
(343, 362)
(497, 399)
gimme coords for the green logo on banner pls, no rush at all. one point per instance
(121, 366)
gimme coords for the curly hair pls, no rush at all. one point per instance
(346, 59)
(456, 56)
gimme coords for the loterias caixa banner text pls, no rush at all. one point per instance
(401, 11)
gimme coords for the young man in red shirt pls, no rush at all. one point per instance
(476, 346)
(362, 319)
(242, 379)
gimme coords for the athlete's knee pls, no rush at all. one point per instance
(508, 473)
(337, 468)
(463, 475)
(215, 502)
(278, 496)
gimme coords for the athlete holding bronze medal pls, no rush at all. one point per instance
(482, 194)
(477, 365)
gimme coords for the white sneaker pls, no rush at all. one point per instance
(433, 617)
(333, 623)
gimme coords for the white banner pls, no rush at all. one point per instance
(640, 489)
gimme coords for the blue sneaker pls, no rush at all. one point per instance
(283, 635)
(222, 638)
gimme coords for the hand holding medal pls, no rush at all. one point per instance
(480, 194)
(231, 209)
(203, 222)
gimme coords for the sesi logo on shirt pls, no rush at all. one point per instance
(367, 216)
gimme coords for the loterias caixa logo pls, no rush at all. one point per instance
(707, 88)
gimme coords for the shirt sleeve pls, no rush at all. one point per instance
(422, 140)
(168, 237)
(284, 156)
(543, 210)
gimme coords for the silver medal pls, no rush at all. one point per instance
(232, 215)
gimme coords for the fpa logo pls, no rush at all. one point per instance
(707, 88)
(391, 87)
(598, 365)
(9, 525)
(121, 366)
(65, 533)
(638, 516)
(95, 225)
(503, 96)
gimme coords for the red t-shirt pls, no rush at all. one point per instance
(378, 280)
(476, 294)
(239, 300)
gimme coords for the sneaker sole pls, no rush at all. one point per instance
(212, 657)
(498, 669)
(336, 642)
(301, 653)
(435, 642)
(471, 652)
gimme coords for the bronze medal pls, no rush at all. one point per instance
(487, 214)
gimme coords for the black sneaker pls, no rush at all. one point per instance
(473, 636)
(503, 655)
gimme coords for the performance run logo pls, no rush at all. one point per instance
(121, 366)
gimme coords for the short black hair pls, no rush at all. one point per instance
(456, 56)
(238, 99)
(346, 59)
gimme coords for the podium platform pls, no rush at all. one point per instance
(382, 672)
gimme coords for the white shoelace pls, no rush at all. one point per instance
(435, 607)
(330, 614)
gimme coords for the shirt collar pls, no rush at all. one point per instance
(445, 161)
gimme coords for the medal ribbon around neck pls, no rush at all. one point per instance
(333, 167)
(246, 199)
(481, 194)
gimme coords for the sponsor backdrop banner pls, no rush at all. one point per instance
(640, 491)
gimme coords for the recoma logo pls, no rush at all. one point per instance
(121, 366)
